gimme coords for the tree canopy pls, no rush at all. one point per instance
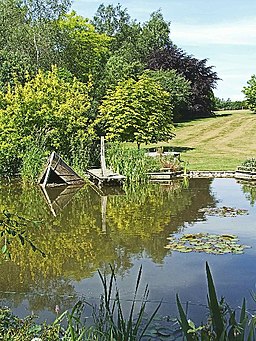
(47, 107)
(250, 93)
(110, 50)
(202, 78)
(137, 111)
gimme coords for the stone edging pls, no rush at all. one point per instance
(211, 174)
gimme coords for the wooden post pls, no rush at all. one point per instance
(102, 157)
(48, 169)
(104, 199)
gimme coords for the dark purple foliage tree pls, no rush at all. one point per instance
(202, 77)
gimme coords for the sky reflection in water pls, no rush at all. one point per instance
(85, 231)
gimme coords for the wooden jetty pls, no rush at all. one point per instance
(58, 173)
(59, 197)
(108, 178)
(103, 176)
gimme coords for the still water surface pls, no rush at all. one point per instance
(85, 231)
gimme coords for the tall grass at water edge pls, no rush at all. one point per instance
(109, 320)
(33, 162)
(223, 323)
(111, 324)
(135, 164)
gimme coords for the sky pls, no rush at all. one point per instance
(223, 31)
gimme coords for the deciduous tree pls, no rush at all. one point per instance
(250, 93)
(178, 87)
(138, 111)
(202, 77)
(47, 107)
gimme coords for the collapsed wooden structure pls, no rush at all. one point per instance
(58, 173)
(59, 197)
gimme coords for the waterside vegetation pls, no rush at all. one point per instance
(110, 323)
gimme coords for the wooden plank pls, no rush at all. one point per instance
(58, 172)
(96, 173)
(102, 157)
(48, 169)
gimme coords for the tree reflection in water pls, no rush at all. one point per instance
(93, 230)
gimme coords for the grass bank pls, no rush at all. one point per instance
(217, 143)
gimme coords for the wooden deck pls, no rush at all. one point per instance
(110, 177)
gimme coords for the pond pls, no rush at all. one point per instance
(86, 231)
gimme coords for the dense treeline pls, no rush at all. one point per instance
(65, 79)
(222, 104)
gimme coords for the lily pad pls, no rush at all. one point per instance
(223, 211)
(218, 244)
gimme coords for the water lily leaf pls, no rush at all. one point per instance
(229, 236)
(238, 252)
(208, 243)
(223, 211)
(185, 249)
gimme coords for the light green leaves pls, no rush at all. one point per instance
(223, 211)
(208, 243)
(137, 111)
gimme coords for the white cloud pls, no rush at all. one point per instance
(241, 32)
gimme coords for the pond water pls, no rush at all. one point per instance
(88, 230)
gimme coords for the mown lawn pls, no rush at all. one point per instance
(218, 143)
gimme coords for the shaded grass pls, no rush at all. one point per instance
(218, 143)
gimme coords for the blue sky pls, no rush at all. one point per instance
(224, 31)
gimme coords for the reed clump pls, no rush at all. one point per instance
(109, 320)
(135, 164)
(223, 323)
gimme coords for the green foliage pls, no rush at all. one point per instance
(14, 227)
(154, 34)
(109, 321)
(250, 93)
(176, 85)
(137, 112)
(48, 106)
(33, 161)
(249, 164)
(29, 35)
(111, 20)
(16, 329)
(222, 104)
(121, 66)
(131, 162)
(13, 64)
(83, 50)
(223, 324)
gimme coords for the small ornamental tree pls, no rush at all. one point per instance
(250, 93)
(137, 111)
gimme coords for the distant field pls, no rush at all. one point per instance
(217, 143)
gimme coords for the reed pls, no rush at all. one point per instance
(33, 161)
(222, 323)
(135, 164)
(109, 320)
